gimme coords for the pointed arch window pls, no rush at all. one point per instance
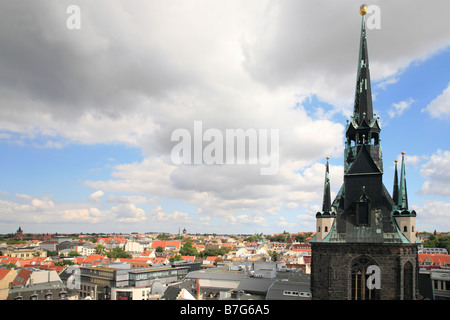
(363, 206)
(408, 285)
(360, 278)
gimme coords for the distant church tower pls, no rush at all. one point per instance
(365, 245)
(19, 234)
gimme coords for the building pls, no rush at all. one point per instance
(249, 281)
(365, 245)
(19, 234)
(434, 283)
(24, 253)
(36, 284)
(122, 282)
(112, 242)
(434, 250)
(6, 277)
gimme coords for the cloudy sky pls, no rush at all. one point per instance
(88, 107)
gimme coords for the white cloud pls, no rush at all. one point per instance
(437, 174)
(127, 212)
(96, 196)
(292, 205)
(400, 107)
(90, 215)
(45, 212)
(127, 199)
(282, 222)
(246, 220)
(433, 215)
(176, 217)
(138, 70)
(440, 106)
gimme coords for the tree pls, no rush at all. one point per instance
(99, 249)
(163, 236)
(252, 238)
(213, 252)
(118, 253)
(437, 241)
(176, 258)
(159, 249)
(188, 250)
(64, 262)
(73, 253)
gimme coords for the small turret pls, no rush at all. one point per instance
(325, 218)
(405, 218)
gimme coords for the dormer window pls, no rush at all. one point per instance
(363, 206)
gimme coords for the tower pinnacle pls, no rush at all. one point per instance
(402, 201)
(326, 205)
(395, 189)
(363, 10)
(363, 96)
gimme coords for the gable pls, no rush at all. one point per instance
(363, 164)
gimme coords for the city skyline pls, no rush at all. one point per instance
(87, 114)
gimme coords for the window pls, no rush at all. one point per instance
(363, 213)
(363, 205)
(359, 277)
(408, 291)
(405, 229)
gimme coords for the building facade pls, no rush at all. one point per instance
(365, 245)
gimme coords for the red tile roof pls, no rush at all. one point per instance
(164, 243)
(436, 259)
(4, 272)
(22, 277)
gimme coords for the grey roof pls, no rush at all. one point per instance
(255, 285)
(216, 275)
(279, 287)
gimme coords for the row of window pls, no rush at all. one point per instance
(294, 293)
(441, 285)
(48, 296)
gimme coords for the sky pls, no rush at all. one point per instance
(91, 97)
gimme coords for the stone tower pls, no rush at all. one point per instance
(369, 250)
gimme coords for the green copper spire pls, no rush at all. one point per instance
(395, 191)
(402, 201)
(326, 205)
(363, 95)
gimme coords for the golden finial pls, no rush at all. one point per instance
(328, 157)
(403, 152)
(396, 160)
(363, 10)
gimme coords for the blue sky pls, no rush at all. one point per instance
(87, 114)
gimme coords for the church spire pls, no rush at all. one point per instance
(395, 189)
(402, 200)
(363, 131)
(363, 95)
(326, 205)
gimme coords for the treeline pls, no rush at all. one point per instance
(188, 250)
(438, 241)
